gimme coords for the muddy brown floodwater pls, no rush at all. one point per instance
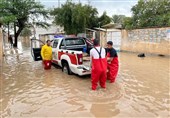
(141, 90)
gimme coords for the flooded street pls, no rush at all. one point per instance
(141, 89)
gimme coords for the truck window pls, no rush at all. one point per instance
(62, 45)
(74, 41)
(55, 43)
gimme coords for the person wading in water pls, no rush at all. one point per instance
(99, 65)
(46, 54)
(112, 62)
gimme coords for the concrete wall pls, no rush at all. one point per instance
(152, 40)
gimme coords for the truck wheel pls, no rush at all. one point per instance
(66, 69)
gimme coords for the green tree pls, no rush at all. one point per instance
(26, 32)
(127, 23)
(20, 12)
(104, 19)
(118, 19)
(91, 16)
(151, 13)
(75, 17)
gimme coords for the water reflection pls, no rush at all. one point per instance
(141, 89)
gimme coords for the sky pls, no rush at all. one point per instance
(112, 7)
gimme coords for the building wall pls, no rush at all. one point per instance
(102, 38)
(25, 39)
(44, 38)
(151, 40)
(51, 29)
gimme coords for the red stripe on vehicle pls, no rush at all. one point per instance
(73, 58)
(59, 55)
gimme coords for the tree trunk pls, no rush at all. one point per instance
(14, 32)
(16, 36)
(8, 29)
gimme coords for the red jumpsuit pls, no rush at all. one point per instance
(99, 67)
(47, 64)
(113, 68)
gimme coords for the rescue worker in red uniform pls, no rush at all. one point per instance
(46, 54)
(112, 62)
(99, 65)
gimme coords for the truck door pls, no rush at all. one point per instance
(55, 49)
(62, 45)
(36, 49)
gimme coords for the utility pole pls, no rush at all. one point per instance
(88, 2)
(33, 25)
(15, 39)
(34, 30)
(58, 3)
(8, 29)
(15, 34)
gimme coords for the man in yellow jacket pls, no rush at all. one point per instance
(46, 54)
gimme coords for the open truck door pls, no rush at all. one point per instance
(36, 49)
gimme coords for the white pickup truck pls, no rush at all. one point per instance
(68, 54)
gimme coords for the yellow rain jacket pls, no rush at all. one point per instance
(46, 52)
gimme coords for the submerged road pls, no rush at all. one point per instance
(141, 90)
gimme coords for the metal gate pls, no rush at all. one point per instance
(115, 37)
